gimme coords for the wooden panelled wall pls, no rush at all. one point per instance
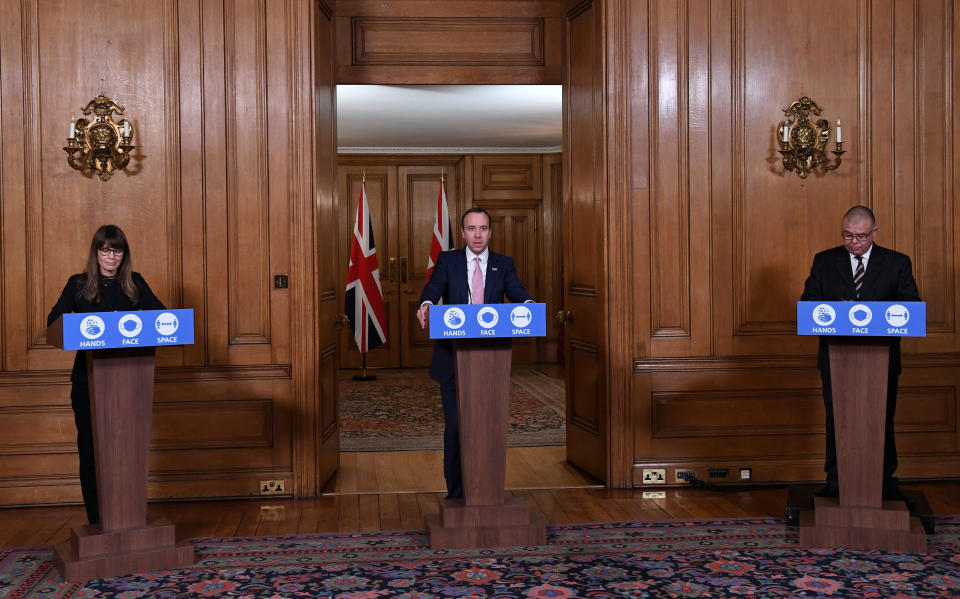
(701, 241)
(713, 239)
(224, 191)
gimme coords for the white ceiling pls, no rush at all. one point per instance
(469, 119)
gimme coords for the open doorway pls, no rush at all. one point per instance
(493, 146)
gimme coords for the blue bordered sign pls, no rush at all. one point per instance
(146, 328)
(477, 321)
(865, 319)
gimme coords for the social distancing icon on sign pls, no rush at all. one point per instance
(897, 315)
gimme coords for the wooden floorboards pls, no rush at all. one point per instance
(395, 491)
(406, 511)
(420, 471)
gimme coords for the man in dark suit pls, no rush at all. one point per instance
(863, 271)
(473, 275)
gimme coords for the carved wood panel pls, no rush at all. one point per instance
(247, 208)
(472, 42)
(412, 41)
(507, 177)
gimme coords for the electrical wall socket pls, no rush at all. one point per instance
(654, 476)
(679, 471)
(271, 487)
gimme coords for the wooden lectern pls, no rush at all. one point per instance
(860, 518)
(121, 401)
(483, 518)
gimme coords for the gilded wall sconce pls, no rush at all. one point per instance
(102, 143)
(802, 142)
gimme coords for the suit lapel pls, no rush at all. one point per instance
(494, 272)
(875, 267)
(460, 285)
(846, 273)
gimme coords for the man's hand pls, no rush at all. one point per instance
(422, 315)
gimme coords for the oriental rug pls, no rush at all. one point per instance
(401, 411)
(754, 557)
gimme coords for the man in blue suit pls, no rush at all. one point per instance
(473, 275)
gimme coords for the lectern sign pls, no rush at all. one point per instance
(863, 319)
(146, 328)
(477, 321)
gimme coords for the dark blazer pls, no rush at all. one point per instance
(448, 282)
(889, 276)
(111, 299)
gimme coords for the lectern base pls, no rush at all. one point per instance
(512, 524)
(91, 553)
(889, 528)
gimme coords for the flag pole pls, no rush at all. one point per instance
(363, 376)
(362, 270)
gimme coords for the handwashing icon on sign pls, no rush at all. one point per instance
(92, 326)
(824, 314)
(454, 318)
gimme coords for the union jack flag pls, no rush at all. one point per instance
(364, 296)
(442, 237)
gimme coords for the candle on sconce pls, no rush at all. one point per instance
(73, 130)
(126, 128)
(839, 133)
(785, 131)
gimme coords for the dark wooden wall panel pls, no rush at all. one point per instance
(670, 204)
(729, 236)
(466, 42)
(507, 178)
(451, 41)
(247, 208)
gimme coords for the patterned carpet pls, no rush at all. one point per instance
(757, 557)
(401, 411)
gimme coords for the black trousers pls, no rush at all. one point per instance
(890, 482)
(452, 467)
(80, 401)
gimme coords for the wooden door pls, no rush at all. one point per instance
(515, 235)
(419, 187)
(382, 201)
(584, 263)
(320, 422)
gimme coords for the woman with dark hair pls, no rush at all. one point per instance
(108, 285)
